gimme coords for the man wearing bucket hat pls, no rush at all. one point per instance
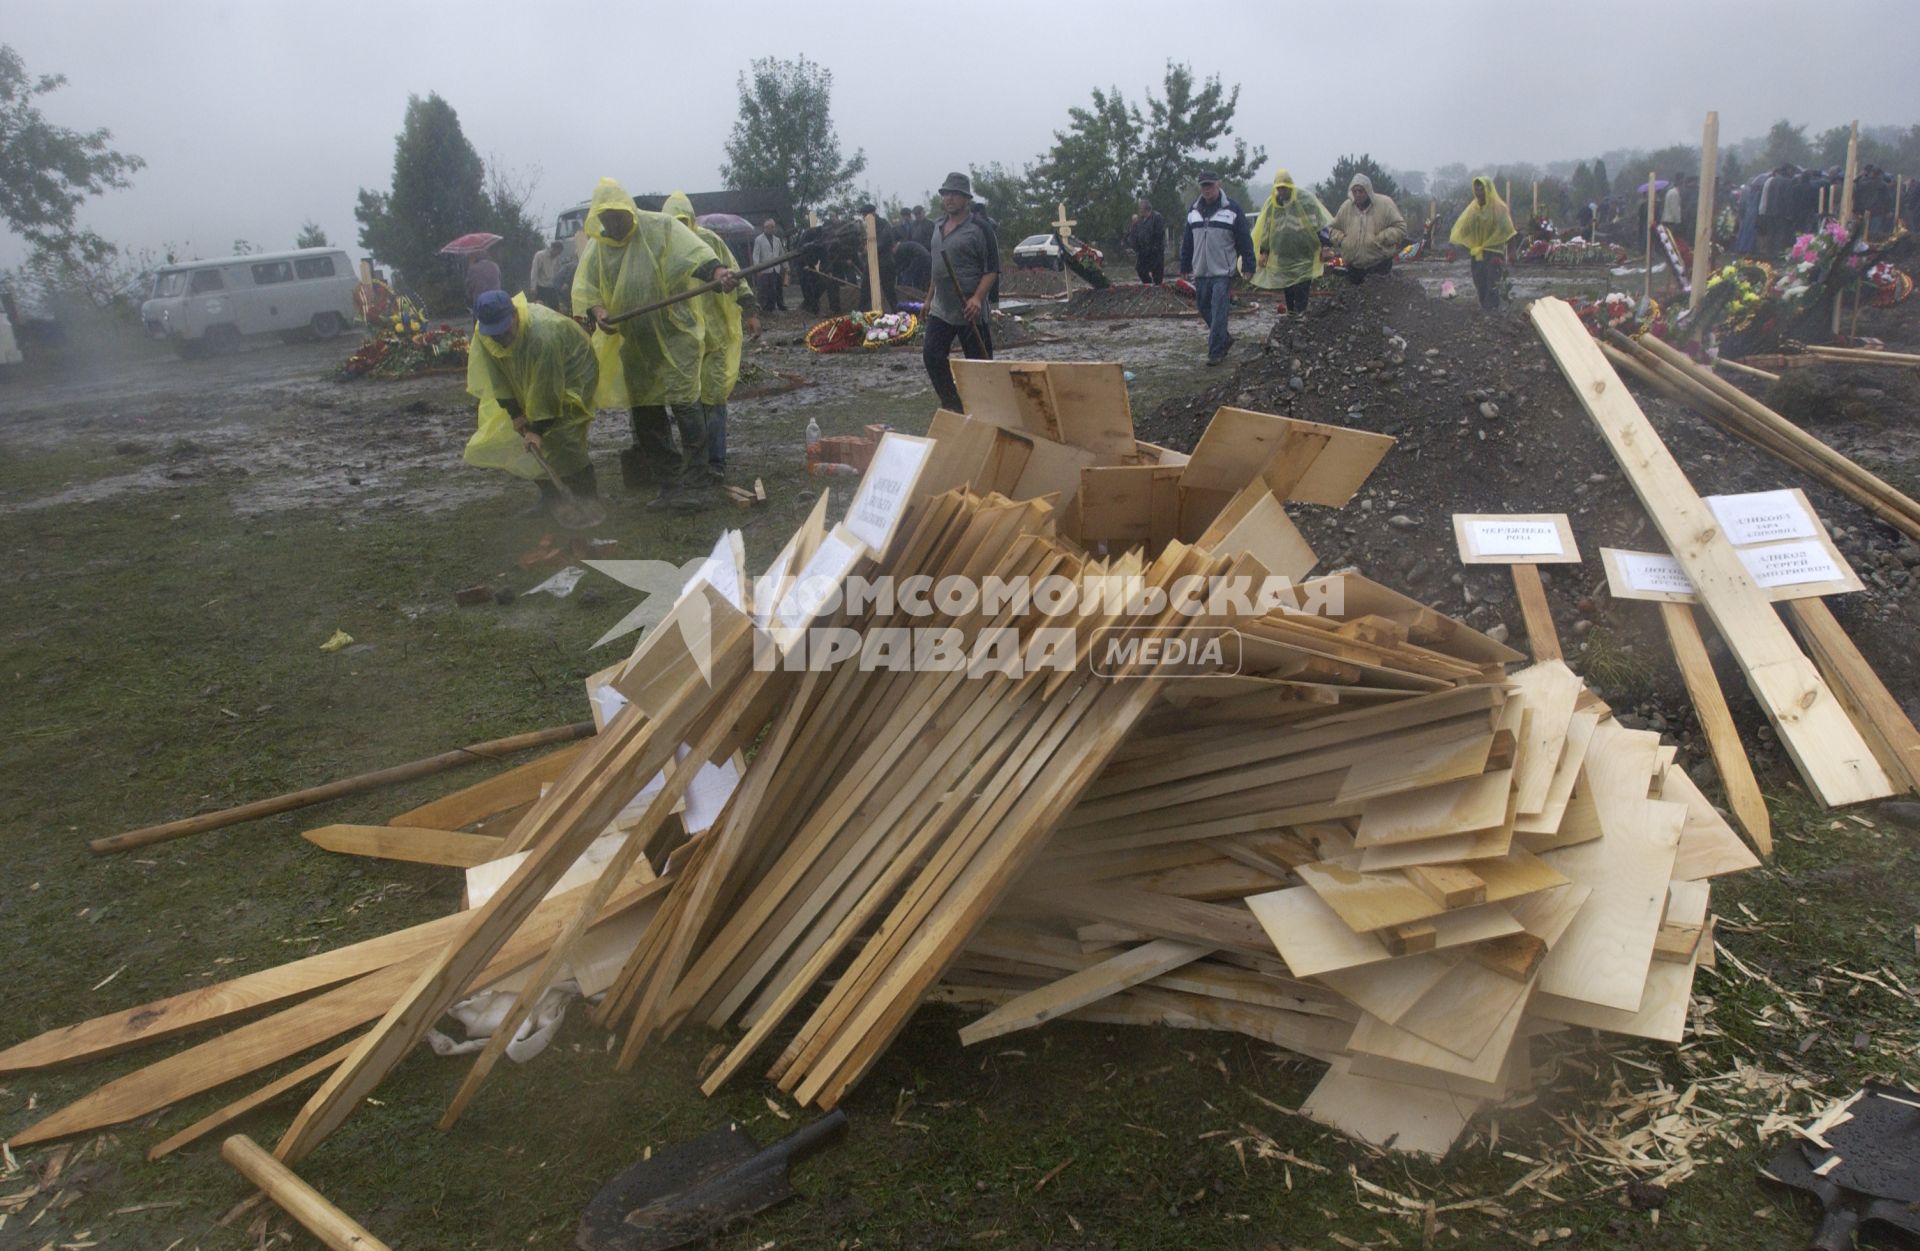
(534, 372)
(966, 263)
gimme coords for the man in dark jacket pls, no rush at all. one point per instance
(1147, 236)
(1217, 244)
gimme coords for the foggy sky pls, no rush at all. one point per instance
(255, 116)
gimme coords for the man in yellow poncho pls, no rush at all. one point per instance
(1286, 241)
(534, 372)
(651, 363)
(1368, 230)
(720, 315)
(1483, 229)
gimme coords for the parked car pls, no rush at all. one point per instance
(301, 294)
(1044, 252)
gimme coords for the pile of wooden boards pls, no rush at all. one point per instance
(1358, 838)
(1409, 891)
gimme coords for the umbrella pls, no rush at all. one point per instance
(726, 224)
(467, 245)
(1659, 184)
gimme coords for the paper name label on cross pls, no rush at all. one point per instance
(1515, 538)
(1790, 564)
(818, 580)
(887, 489)
(1762, 517)
(1646, 571)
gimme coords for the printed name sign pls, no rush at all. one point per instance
(1763, 517)
(887, 489)
(1514, 539)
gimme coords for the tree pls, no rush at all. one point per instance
(48, 171)
(1334, 189)
(1602, 185)
(1095, 166)
(310, 236)
(1113, 152)
(1015, 200)
(1184, 127)
(439, 193)
(785, 136)
(1786, 144)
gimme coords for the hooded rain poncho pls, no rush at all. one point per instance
(550, 371)
(719, 314)
(1286, 237)
(1483, 228)
(655, 359)
(1368, 236)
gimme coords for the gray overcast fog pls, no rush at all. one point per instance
(253, 117)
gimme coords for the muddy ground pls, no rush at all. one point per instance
(182, 536)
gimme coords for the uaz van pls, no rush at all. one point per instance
(202, 304)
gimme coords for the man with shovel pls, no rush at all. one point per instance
(651, 363)
(534, 372)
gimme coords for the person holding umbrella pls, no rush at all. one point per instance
(534, 373)
(649, 365)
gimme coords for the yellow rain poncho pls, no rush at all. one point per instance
(1484, 228)
(719, 313)
(653, 359)
(550, 370)
(1286, 237)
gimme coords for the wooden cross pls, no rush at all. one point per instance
(1065, 225)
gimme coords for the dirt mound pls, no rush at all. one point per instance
(1130, 300)
(1484, 422)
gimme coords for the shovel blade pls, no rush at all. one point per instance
(681, 1195)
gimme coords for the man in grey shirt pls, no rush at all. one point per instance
(966, 263)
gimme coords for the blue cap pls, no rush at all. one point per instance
(493, 312)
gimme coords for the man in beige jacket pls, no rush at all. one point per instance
(1368, 230)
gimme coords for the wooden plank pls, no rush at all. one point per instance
(1077, 990)
(1388, 773)
(1456, 807)
(1450, 886)
(1390, 990)
(1464, 1009)
(1708, 845)
(1549, 690)
(1374, 1037)
(517, 785)
(1369, 901)
(1389, 1114)
(1239, 444)
(288, 1032)
(410, 843)
(1716, 722)
(1535, 613)
(1603, 956)
(1810, 721)
(1588, 713)
(1091, 400)
(1313, 939)
(1874, 709)
(1703, 227)
(166, 1018)
(219, 1118)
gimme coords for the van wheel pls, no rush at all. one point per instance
(222, 338)
(327, 325)
(190, 349)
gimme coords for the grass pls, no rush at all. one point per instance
(162, 657)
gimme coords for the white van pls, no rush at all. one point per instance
(301, 294)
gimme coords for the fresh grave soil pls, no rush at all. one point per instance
(1485, 423)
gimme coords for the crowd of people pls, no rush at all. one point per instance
(539, 375)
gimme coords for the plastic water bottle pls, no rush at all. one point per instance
(813, 432)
